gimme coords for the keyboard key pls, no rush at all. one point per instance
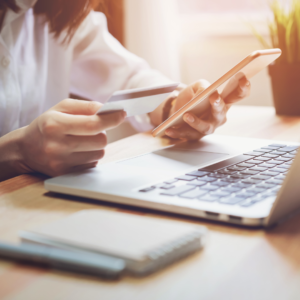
(289, 162)
(166, 186)
(193, 194)
(280, 177)
(231, 189)
(267, 165)
(262, 150)
(209, 188)
(171, 181)
(289, 148)
(146, 190)
(281, 158)
(245, 195)
(225, 163)
(262, 158)
(230, 180)
(268, 155)
(207, 179)
(220, 194)
(259, 169)
(276, 153)
(283, 166)
(256, 190)
(220, 183)
(226, 172)
(277, 145)
(288, 155)
(270, 173)
(249, 172)
(232, 200)
(254, 162)
(277, 170)
(216, 175)
(275, 162)
(197, 173)
(261, 177)
(265, 185)
(239, 176)
(251, 181)
(197, 183)
(275, 181)
(236, 168)
(241, 185)
(270, 148)
(246, 165)
(252, 153)
(185, 178)
(178, 190)
(208, 198)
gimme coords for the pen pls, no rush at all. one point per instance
(81, 262)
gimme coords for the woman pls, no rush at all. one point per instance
(50, 49)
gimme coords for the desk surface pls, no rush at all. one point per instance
(237, 263)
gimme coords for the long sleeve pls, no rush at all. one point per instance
(101, 66)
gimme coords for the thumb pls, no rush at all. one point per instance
(77, 107)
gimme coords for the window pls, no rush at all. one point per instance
(221, 6)
(216, 34)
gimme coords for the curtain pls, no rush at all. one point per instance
(151, 32)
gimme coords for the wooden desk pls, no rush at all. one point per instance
(237, 263)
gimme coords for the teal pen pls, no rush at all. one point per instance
(79, 262)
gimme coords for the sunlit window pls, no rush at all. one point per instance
(221, 6)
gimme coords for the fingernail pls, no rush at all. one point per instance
(189, 118)
(169, 132)
(217, 102)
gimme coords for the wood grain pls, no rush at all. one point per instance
(236, 263)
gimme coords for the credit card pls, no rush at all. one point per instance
(137, 101)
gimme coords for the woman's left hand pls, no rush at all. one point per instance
(195, 127)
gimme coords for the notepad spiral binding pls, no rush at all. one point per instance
(171, 252)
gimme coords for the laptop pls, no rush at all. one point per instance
(250, 182)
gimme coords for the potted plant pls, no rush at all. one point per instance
(285, 72)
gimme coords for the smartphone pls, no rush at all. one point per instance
(248, 67)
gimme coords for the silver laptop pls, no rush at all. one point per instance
(251, 182)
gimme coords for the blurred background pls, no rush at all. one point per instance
(192, 39)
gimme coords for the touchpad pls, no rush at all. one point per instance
(171, 159)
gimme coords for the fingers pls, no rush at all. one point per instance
(66, 170)
(81, 158)
(55, 123)
(85, 143)
(218, 109)
(242, 91)
(77, 107)
(201, 126)
(184, 132)
(190, 92)
(83, 167)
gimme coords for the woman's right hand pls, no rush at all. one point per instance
(69, 137)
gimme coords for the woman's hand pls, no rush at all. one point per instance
(195, 127)
(68, 137)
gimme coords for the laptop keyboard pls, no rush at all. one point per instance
(242, 180)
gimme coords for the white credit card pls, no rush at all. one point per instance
(137, 101)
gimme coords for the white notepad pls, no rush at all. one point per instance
(145, 243)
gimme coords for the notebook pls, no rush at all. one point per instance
(145, 243)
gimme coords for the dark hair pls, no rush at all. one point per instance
(60, 14)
